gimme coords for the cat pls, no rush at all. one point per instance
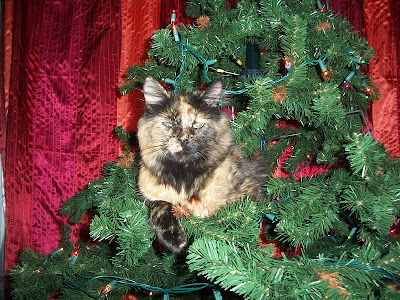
(188, 158)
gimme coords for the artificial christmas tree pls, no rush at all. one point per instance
(333, 192)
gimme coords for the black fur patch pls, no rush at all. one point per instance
(181, 175)
(169, 104)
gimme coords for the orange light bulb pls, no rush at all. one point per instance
(106, 289)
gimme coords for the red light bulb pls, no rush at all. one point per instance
(76, 251)
(287, 63)
(326, 73)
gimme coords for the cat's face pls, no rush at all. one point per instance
(188, 129)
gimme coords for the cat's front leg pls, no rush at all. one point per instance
(169, 231)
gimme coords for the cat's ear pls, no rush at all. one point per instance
(153, 91)
(213, 92)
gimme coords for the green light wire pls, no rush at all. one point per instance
(356, 265)
(299, 169)
(202, 60)
(203, 12)
(122, 282)
(313, 62)
(289, 72)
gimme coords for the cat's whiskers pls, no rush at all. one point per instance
(200, 154)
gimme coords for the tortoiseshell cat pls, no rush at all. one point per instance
(189, 158)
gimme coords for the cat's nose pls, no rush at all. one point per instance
(188, 145)
(185, 143)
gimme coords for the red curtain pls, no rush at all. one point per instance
(62, 62)
(61, 112)
(383, 34)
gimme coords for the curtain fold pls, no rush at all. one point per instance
(61, 114)
(18, 166)
(353, 11)
(382, 24)
(140, 19)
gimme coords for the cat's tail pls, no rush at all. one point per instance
(169, 231)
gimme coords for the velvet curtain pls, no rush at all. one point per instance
(62, 62)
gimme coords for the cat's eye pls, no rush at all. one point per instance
(167, 124)
(198, 125)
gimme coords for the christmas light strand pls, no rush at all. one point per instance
(179, 38)
(322, 7)
(203, 12)
(310, 159)
(383, 272)
(116, 282)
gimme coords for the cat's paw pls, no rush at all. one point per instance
(173, 239)
(168, 229)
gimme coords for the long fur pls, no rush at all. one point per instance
(189, 158)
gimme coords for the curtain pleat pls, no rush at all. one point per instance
(382, 17)
(18, 164)
(353, 11)
(97, 87)
(62, 113)
(139, 21)
(5, 64)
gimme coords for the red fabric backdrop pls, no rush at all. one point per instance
(62, 63)
(61, 112)
(383, 34)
